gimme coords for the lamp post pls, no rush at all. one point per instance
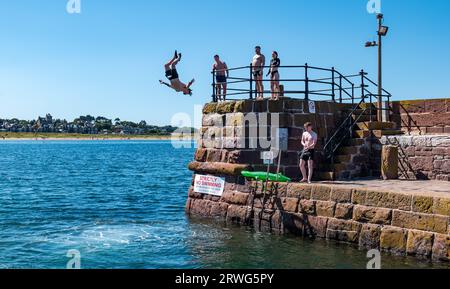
(382, 31)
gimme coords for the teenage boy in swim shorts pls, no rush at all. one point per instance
(221, 73)
(309, 142)
(172, 76)
(258, 63)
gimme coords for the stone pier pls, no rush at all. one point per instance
(400, 217)
(397, 217)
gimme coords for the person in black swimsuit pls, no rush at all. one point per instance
(274, 76)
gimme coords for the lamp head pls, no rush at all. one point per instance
(383, 31)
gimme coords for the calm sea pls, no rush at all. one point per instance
(120, 204)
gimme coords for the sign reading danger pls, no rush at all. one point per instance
(209, 185)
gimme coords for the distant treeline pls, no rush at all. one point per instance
(87, 125)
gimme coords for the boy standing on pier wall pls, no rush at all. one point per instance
(258, 62)
(220, 69)
(309, 141)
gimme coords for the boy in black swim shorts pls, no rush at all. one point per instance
(309, 141)
(172, 76)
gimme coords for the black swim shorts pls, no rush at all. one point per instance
(307, 155)
(172, 74)
(257, 73)
(220, 79)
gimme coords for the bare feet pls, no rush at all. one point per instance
(303, 181)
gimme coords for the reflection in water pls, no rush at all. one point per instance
(217, 245)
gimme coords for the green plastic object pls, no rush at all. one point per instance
(263, 176)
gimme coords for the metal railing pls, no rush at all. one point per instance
(344, 132)
(315, 83)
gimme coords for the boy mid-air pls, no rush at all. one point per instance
(172, 76)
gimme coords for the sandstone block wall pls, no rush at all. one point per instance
(420, 117)
(392, 222)
(422, 157)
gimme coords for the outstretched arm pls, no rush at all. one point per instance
(166, 84)
(190, 83)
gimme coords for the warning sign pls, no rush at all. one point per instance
(209, 185)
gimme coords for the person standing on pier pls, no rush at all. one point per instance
(258, 63)
(274, 76)
(220, 69)
(309, 142)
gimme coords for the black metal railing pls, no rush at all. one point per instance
(345, 131)
(315, 83)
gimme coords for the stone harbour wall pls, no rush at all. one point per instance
(422, 157)
(401, 224)
(237, 132)
(422, 117)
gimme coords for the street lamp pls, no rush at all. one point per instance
(382, 31)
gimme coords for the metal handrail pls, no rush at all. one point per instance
(340, 134)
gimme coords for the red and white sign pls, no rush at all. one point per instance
(209, 185)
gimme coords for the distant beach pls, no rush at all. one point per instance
(83, 137)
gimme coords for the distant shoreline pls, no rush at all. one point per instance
(80, 137)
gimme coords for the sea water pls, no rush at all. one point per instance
(120, 204)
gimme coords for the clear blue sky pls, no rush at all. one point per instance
(108, 60)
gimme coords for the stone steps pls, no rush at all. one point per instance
(362, 134)
(364, 117)
(326, 176)
(355, 142)
(375, 125)
(348, 150)
(376, 133)
(358, 112)
(343, 158)
(336, 168)
(381, 133)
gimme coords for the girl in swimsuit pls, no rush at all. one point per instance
(274, 76)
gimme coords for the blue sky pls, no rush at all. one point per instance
(108, 59)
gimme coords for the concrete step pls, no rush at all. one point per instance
(366, 112)
(355, 142)
(361, 134)
(364, 117)
(334, 167)
(345, 175)
(348, 150)
(381, 133)
(367, 105)
(326, 176)
(375, 125)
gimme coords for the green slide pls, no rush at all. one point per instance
(263, 176)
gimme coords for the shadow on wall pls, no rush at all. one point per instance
(406, 169)
(410, 125)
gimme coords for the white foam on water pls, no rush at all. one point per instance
(98, 237)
